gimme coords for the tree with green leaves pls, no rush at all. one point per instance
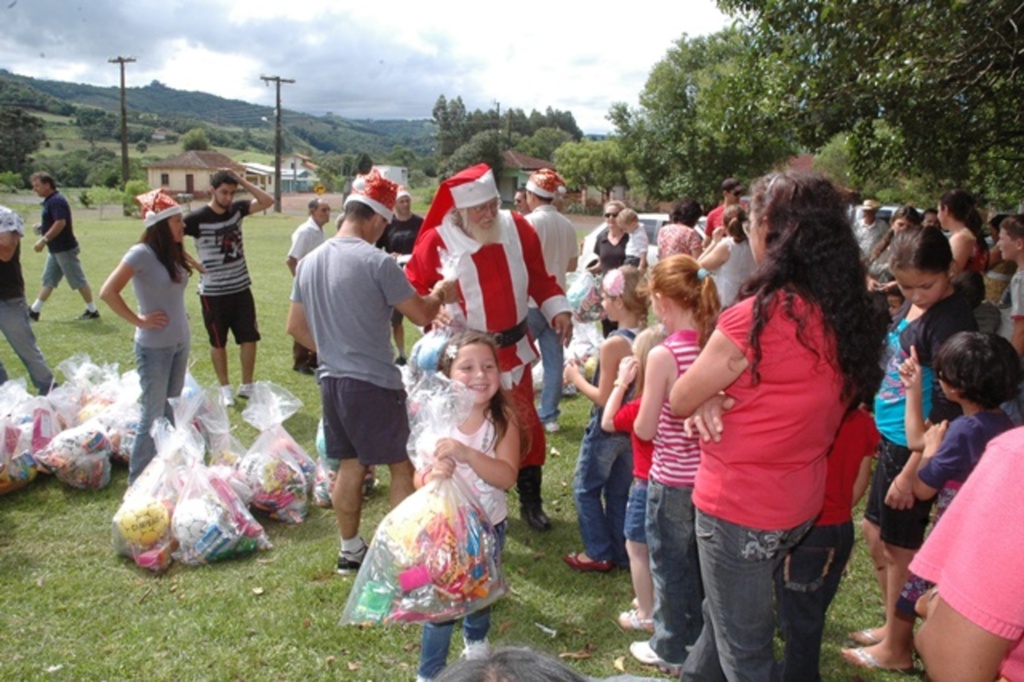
(700, 120)
(599, 164)
(943, 77)
(21, 134)
(543, 142)
(484, 147)
(195, 140)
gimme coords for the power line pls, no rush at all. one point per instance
(277, 137)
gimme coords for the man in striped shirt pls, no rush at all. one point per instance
(224, 285)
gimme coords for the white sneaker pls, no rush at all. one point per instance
(476, 651)
(643, 652)
(552, 427)
(227, 396)
(245, 391)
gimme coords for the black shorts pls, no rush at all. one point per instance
(899, 527)
(232, 312)
(364, 421)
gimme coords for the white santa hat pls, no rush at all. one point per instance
(376, 191)
(157, 205)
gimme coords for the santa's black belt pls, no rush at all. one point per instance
(511, 337)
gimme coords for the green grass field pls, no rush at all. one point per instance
(72, 610)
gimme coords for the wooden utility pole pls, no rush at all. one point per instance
(124, 119)
(277, 138)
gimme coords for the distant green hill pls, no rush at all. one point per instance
(157, 106)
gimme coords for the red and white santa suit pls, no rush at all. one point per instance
(496, 282)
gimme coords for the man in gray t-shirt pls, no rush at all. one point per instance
(342, 300)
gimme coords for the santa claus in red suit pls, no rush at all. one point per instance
(499, 265)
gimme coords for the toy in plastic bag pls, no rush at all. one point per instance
(436, 405)
(276, 467)
(79, 456)
(426, 353)
(95, 387)
(211, 523)
(119, 411)
(584, 294)
(434, 558)
(141, 528)
(326, 471)
(17, 465)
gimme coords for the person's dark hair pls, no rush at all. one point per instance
(733, 219)
(971, 286)
(45, 178)
(223, 177)
(510, 665)
(170, 253)
(984, 368)
(686, 212)
(502, 411)
(313, 203)
(359, 211)
(933, 211)
(926, 249)
(810, 252)
(962, 206)
(908, 213)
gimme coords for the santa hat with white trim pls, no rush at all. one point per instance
(375, 191)
(157, 205)
(546, 183)
(469, 187)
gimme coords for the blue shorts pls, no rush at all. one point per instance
(364, 421)
(64, 264)
(636, 512)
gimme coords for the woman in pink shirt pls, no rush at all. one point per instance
(790, 357)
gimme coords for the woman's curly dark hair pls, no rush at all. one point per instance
(810, 251)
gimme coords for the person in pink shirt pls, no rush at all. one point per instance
(974, 626)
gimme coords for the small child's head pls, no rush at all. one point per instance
(1011, 237)
(623, 293)
(734, 218)
(628, 220)
(981, 368)
(922, 262)
(471, 358)
(642, 345)
(894, 301)
(971, 286)
(680, 281)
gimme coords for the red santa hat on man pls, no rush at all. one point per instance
(376, 191)
(157, 205)
(546, 183)
(469, 187)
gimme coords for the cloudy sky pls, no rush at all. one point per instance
(360, 59)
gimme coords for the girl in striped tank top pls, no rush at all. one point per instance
(686, 302)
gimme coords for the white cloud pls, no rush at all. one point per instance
(365, 59)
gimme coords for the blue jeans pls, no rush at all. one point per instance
(16, 327)
(675, 571)
(162, 376)
(805, 585)
(437, 637)
(737, 566)
(604, 469)
(552, 356)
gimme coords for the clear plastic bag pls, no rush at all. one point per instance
(326, 471)
(79, 456)
(436, 406)
(434, 558)
(17, 465)
(584, 294)
(279, 471)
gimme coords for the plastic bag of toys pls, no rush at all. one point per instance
(436, 405)
(141, 528)
(17, 465)
(276, 467)
(211, 523)
(95, 387)
(326, 471)
(584, 294)
(433, 559)
(79, 456)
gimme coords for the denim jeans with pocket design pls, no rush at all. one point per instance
(604, 473)
(737, 566)
(162, 376)
(552, 360)
(805, 585)
(15, 325)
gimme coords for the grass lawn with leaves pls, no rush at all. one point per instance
(72, 610)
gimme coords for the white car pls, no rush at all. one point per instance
(651, 223)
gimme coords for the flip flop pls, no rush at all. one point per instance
(631, 620)
(862, 659)
(864, 637)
